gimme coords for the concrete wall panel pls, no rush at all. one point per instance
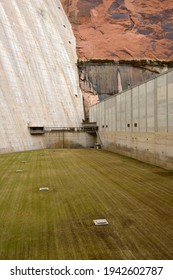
(108, 121)
(99, 115)
(123, 111)
(170, 102)
(142, 108)
(113, 114)
(150, 92)
(118, 112)
(135, 109)
(162, 111)
(128, 101)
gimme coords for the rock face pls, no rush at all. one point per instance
(99, 80)
(120, 43)
(122, 29)
(38, 73)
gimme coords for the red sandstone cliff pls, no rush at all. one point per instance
(122, 29)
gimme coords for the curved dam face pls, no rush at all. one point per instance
(39, 83)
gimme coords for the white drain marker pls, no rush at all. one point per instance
(19, 171)
(100, 222)
(43, 189)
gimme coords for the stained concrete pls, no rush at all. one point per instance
(38, 72)
(73, 140)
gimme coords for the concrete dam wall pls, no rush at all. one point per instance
(39, 83)
(139, 121)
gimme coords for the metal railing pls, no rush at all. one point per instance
(47, 129)
(88, 129)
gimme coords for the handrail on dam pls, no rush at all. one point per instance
(41, 130)
(88, 129)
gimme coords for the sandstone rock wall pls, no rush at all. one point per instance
(122, 29)
(130, 41)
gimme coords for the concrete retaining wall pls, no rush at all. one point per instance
(72, 140)
(139, 121)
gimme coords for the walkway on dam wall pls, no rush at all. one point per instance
(139, 121)
(134, 197)
(84, 136)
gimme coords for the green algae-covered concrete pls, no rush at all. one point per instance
(134, 197)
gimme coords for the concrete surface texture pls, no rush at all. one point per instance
(38, 73)
(139, 122)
